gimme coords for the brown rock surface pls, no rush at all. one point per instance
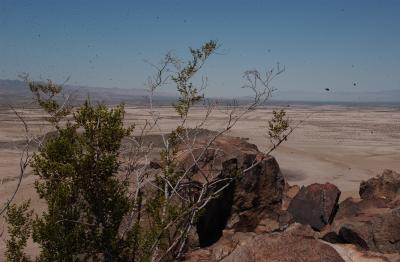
(296, 244)
(385, 186)
(315, 205)
(351, 207)
(289, 193)
(351, 253)
(375, 229)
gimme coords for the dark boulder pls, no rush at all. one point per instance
(315, 205)
(254, 195)
(257, 195)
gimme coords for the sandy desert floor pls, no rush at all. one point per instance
(341, 145)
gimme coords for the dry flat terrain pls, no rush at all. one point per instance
(341, 145)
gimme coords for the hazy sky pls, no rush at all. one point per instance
(323, 44)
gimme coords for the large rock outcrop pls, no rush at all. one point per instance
(252, 219)
(255, 195)
(315, 205)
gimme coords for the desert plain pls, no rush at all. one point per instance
(342, 145)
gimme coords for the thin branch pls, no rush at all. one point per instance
(23, 163)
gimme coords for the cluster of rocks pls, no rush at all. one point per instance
(262, 218)
(372, 223)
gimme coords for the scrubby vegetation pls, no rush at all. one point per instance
(102, 207)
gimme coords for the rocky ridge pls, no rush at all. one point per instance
(262, 218)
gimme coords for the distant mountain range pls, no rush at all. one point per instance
(17, 92)
(355, 96)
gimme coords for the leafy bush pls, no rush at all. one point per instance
(19, 229)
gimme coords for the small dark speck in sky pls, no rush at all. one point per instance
(184, 20)
(354, 84)
(327, 89)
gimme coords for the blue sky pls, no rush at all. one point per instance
(323, 44)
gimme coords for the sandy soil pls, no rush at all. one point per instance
(341, 145)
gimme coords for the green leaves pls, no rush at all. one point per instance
(77, 172)
(46, 94)
(189, 95)
(19, 219)
(278, 126)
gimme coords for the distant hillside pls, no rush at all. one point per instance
(17, 92)
(351, 96)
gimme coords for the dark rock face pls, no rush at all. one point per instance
(385, 186)
(214, 218)
(315, 205)
(257, 194)
(296, 244)
(252, 197)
